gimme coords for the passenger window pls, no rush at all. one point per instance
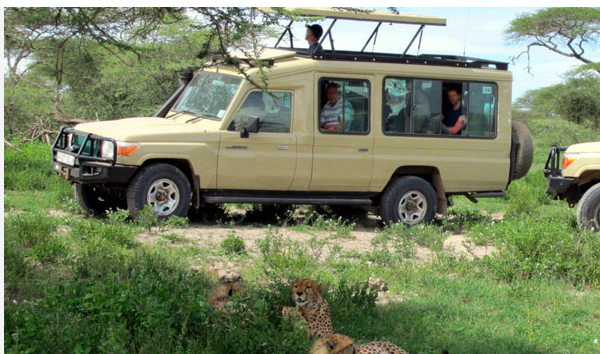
(273, 110)
(482, 109)
(397, 104)
(426, 107)
(344, 106)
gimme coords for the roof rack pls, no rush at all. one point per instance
(366, 15)
(423, 59)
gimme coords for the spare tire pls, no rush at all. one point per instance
(521, 150)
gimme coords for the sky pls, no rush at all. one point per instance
(476, 32)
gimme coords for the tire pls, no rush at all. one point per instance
(161, 186)
(418, 197)
(94, 201)
(588, 211)
(523, 142)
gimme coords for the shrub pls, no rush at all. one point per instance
(544, 246)
(233, 244)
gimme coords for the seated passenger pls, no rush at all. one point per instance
(332, 114)
(453, 119)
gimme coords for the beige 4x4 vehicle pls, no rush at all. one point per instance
(578, 181)
(335, 127)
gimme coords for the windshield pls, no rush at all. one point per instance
(208, 94)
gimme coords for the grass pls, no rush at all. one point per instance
(91, 285)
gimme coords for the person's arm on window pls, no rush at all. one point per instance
(460, 123)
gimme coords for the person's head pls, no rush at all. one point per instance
(332, 93)
(453, 96)
(313, 33)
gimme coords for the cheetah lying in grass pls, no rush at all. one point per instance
(311, 306)
(341, 344)
(219, 300)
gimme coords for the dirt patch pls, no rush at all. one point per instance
(462, 245)
(359, 241)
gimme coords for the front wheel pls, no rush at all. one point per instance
(162, 187)
(409, 199)
(588, 211)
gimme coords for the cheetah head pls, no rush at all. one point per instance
(306, 291)
(334, 344)
(225, 291)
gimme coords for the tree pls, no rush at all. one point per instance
(571, 32)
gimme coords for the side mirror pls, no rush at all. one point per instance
(251, 127)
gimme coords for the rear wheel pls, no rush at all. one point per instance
(162, 187)
(588, 211)
(95, 200)
(411, 200)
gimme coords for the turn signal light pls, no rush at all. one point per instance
(567, 160)
(126, 150)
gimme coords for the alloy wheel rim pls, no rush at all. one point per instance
(412, 207)
(163, 196)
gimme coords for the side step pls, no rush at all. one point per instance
(218, 197)
(493, 194)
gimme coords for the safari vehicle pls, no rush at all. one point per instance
(220, 139)
(576, 179)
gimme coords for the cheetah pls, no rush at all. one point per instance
(310, 306)
(341, 344)
(220, 296)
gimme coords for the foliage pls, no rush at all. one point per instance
(577, 99)
(233, 244)
(543, 246)
(563, 30)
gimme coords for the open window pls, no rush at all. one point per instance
(436, 107)
(344, 106)
(273, 109)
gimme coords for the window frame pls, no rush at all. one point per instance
(369, 101)
(291, 92)
(446, 136)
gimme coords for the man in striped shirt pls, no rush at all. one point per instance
(334, 113)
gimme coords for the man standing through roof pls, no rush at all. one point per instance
(313, 34)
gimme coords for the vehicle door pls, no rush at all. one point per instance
(343, 143)
(265, 160)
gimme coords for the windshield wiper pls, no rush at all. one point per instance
(203, 115)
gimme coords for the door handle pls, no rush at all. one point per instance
(237, 147)
(283, 147)
(363, 150)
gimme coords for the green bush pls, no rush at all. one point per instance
(233, 244)
(543, 246)
(119, 233)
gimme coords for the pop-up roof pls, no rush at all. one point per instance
(364, 15)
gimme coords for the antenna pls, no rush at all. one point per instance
(466, 32)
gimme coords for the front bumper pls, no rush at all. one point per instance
(95, 172)
(87, 166)
(559, 187)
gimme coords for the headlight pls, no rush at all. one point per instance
(107, 150)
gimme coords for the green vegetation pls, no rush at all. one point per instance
(568, 31)
(233, 244)
(90, 285)
(97, 285)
